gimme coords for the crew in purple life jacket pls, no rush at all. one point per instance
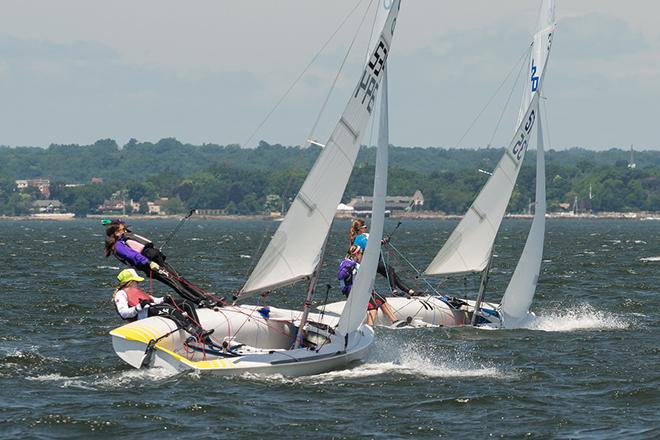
(358, 236)
(133, 303)
(139, 253)
(346, 274)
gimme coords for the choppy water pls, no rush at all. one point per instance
(588, 367)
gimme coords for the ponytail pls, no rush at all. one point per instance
(354, 231)
(110, 239)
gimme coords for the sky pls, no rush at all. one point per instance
(209, 71)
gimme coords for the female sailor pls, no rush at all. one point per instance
(139, 252)
(347, 271)
(358, 236)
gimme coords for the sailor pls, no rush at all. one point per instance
(347, 271)
(139, 252)
(132, 303)
(358, 236)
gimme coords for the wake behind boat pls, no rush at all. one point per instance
(276, 341)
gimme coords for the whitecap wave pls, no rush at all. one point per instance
(409, 362)
(650, 259)
(581, 317)
(108, 267)
(119, 380)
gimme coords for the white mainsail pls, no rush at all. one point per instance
(353, 313)
(520, 291)
(295, 249)
(540, 53)
(469, 246)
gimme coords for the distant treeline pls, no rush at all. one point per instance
(265, 178)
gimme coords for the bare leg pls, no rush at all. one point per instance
(389, 312)
(371, 317)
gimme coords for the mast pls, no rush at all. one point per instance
(468, 248)
(485, 276)
(356, 304)
(295, 249)
(514, 309)
(308, 299)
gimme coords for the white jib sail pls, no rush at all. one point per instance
(294, 251)
(356, 305)
(468, 247)
(520, 291)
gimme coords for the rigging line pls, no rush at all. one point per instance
(469, 129)
(341, 67)
(412, 266)
(251, 267)
(513, 88)
(373, 26)
(297, 80)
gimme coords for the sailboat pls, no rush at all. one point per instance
(253, 339)
(469, 249)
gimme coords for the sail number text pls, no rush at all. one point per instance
(368, 84)
(520, 146)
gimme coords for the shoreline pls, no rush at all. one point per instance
(428, 215)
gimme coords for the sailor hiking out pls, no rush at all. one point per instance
(139, 253)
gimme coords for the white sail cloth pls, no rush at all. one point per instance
(295, 249)
(469, 246)
(539, 54)
(520, 291)
(356, 304)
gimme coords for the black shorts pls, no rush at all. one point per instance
(376, 301)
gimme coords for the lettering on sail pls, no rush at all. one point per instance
(520, 146)
(368, 85)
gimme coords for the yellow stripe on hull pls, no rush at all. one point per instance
(144, 334)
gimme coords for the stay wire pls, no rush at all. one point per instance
(506, 105)
(474, 121)
(304, 71)
(412, 266)
(341, 67)
(250, 268)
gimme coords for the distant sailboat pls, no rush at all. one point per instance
(269, 340)
(469, 249)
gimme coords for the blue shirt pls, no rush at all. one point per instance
(361, 240)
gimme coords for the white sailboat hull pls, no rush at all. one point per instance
(430, 311)
(266, 348)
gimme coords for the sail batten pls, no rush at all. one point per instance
(295, 248)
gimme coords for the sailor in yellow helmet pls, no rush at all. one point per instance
(131, 303)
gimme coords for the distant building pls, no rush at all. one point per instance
(42, 184)
(48, 206)
(118, 206)
(156, 208)
(363, 204)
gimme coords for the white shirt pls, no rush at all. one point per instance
(126, 312)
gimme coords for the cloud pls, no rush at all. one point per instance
(597, 35)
